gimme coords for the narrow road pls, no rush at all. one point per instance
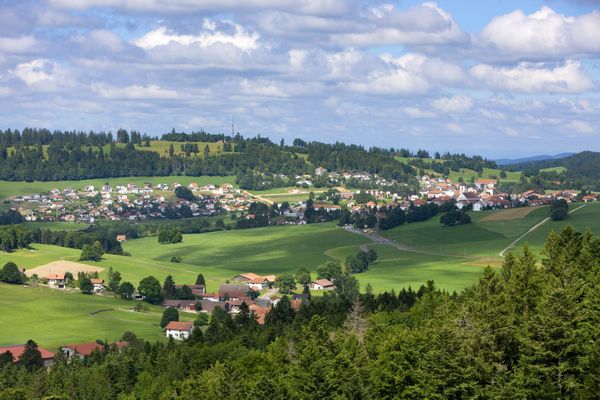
(378, 239)
(267, 295)
(517, 240)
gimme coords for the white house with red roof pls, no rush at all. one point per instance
(179, 330)
(322, 284)
(98, 285)
(56, 281)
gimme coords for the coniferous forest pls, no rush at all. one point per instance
(527, 330)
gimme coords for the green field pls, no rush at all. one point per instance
(53, 318)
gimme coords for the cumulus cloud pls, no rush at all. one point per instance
(210, 35)
(42, 74)
(425, 24)
(579, 127)
(454, 104)
(534, 78)
(21, 44)
(541, 35)
(144, 92)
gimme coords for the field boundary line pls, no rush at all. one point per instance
(517, 240)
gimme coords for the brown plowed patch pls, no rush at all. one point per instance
(61, 267)
(511, 213)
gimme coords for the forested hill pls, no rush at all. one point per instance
(581, 169)
(43, 155)
(528, 330)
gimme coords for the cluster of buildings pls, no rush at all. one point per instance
(69, 351)
(129, 202)
(484, 194)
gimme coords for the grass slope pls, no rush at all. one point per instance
(54, 318)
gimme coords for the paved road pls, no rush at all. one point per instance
(517, 240)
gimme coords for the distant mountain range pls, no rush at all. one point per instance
(508, 161)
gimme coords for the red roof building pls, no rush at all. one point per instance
(18, 350)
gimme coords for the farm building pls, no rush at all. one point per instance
(98, 285)
(179, 330)
(234, 292)
(82, 350)
(56, 281)
(322, 284)
(17, 350)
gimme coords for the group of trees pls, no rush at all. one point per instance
(360, 262)
(104, 234)
(527, 330)
(455, 217)
(91, 252)
(14, 237)
(559, 210)
(169, 234)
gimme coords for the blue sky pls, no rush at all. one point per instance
(497, 78)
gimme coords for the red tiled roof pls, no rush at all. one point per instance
(17, 350)
(56, 276)
(323, 282)
(97, 281)
(260, 312)
(180, 326)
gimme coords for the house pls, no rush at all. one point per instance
(320, 171)
(56, 281)
(234, 292)
(121, 238)
(259, 312)
(485, 183)
(322, 284)
(179, 330)
(17, 350)
(185, 305)
(588, 198)
(245, 277)
(98, 285)
(86, 349)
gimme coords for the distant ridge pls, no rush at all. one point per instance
(508, 161)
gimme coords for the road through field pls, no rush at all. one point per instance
(517, 240)
(400, 246)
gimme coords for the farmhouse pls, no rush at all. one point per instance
(98, 285)
(254, 281)
(56, 281)
(121, 238)
(82, 350)
(322, 284)
(259, 312)
(179, 330)
(482, 184)
(234, 292)
(588, 198)
(17, 350)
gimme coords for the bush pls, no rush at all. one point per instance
(170, 314)
(176, 259)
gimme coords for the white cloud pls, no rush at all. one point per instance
(534, 78)
(42, 74)
(325, 7)
(135, 92)
(454, 104)
(542, 34)
(453, 127)
(416, 112)
(579, 127)
(22, 44)
(239, 38)
(425, 24)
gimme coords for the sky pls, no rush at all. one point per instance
(496, 78)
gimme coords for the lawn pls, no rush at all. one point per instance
(53, 318)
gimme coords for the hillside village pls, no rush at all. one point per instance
(137, 203)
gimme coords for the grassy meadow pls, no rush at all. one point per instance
(54, 318)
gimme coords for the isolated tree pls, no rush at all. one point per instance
(303, 276)
(285, 283)
(169, 290)
(184, 193)
(85, 285)
(150, 288)
(331, 270)
(126, 290)
(114, 281)
(200, 280)
(10, 273)
(372, 256)
(91, 252)
(170, 314)
(31, 358)
(559, 210)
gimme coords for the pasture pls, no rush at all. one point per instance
(53, 317)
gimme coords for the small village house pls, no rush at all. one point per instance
(234, 292)
(56, 281)
(17, 350)
(179, 330)
(83, 350)
(322, 284)
(98, 285)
